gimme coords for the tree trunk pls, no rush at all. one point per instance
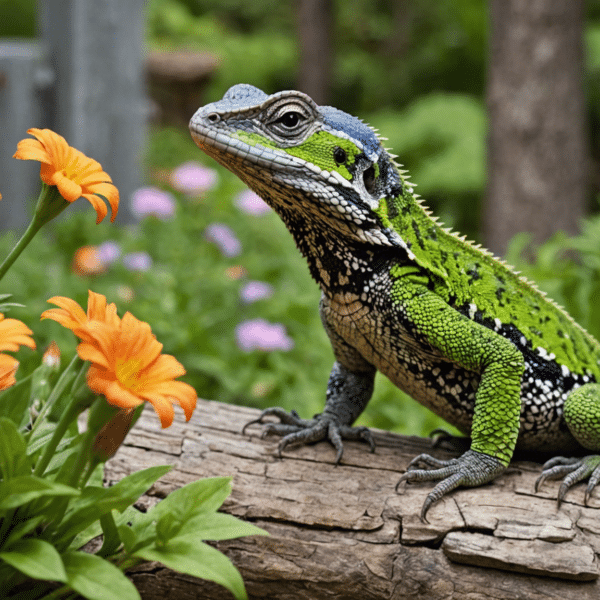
(314, 34)
(537, 147)
(343, 532)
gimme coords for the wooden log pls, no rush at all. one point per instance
(343, 532)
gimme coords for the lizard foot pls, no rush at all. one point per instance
(305, 431)
(574, 470)
(471, 469)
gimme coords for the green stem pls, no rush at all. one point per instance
(68, 416)
(50, 204)
(30, 232)
(64, 380)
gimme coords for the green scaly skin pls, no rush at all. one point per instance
(443, 319)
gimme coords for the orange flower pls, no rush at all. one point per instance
(71, 171)
(71, 315)
(127, 365)
(13, 334)
(86, 261)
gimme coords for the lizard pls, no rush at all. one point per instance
(446, 321)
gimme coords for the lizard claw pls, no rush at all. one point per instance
(574, 470)
(295, 430)
(471, 469)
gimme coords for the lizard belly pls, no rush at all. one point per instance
(445, 388)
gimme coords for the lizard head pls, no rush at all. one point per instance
(310, 163)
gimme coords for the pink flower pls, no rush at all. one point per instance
(192, 178)
(223, 236)
(152, 201)
(137, 261)
(258, 334)
(255, 290)
(252, 204)
(108, 252)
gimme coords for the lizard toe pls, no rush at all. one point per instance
(471, 469)
(572, 470)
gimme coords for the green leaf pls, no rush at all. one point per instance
(14, 402)
(20, 490)
(22, 528)
(218, 526)
(112, 540)
(199, 560)
(13, 460)
(36, 559)
(198, 497)
(96, 501)
(97, 579)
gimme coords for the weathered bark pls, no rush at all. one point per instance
(343, 532)
(538, 156)
(316, 57)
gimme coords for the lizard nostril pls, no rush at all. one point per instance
(213, 117)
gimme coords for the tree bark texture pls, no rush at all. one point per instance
(538, 157)
(343, 532)
(316, 54)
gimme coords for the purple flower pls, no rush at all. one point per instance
(252, 204)
(192, 178)
(152, 201)
(255, 290)
(223, 236)
(109, 252)
(258, 334)
(137, 261)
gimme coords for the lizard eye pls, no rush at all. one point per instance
(289, 120)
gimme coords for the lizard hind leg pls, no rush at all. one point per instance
(582, 415)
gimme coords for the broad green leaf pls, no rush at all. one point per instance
(13, 460)
(218, 526)
(204, 496)
(96, 578)
(20, 490)
(199, 560)
(96, 501)
(36, 559)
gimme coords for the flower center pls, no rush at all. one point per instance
(127, 371)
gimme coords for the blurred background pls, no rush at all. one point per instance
(493, 106)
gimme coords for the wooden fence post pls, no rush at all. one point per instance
(95, 50)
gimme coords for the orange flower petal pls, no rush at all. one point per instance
(93, 354)
(127, 365)
(71, 171)
(13, 334)
(29, 149)
(99, 207)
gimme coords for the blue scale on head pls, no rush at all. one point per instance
(240, 96)
(352, 128)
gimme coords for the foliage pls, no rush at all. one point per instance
(567, 269)
(52, 501)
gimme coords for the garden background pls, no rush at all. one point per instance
(215, 271)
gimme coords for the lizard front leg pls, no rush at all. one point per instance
(347, 395)
(500, 364)
(349, 390)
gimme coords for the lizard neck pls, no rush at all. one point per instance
(428, 244)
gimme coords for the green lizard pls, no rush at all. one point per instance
(444, 320)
